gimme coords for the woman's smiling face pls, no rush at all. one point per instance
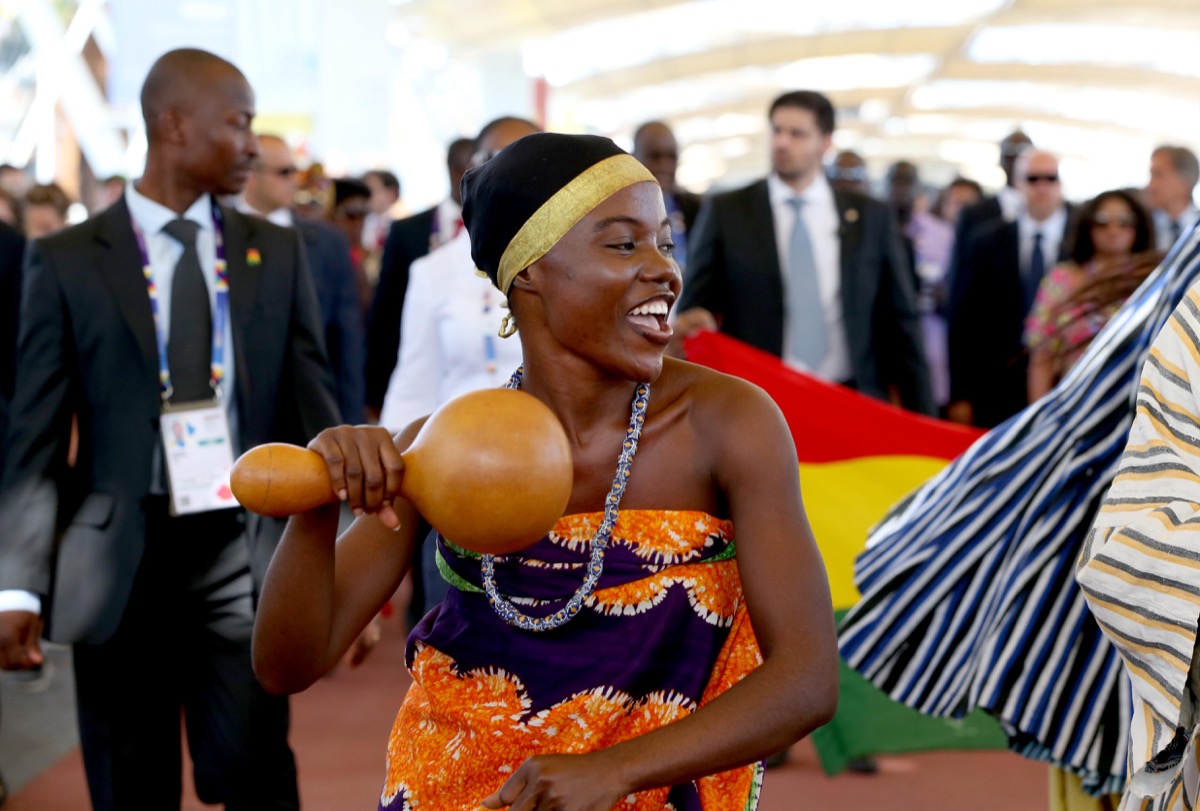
(608, 285)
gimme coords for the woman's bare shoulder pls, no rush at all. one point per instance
(713, 395)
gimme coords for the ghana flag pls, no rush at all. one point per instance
(858, 457)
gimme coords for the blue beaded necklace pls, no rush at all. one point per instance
(507, 611)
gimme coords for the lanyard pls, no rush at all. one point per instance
(219, 316)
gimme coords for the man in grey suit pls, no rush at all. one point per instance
(813, 274)
(126, 317)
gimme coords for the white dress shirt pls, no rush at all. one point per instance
(821, 217)
(164, 252)
(449, 341)
(446, 221)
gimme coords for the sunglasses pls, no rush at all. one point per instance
(1041, 178)
(1102, 220)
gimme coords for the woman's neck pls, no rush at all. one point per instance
(583, 402)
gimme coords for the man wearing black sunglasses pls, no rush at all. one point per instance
(1003, 264)
(270, 193)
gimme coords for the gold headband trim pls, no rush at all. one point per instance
(564, 210)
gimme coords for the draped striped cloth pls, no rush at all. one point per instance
(1140, 567)
(968, 590)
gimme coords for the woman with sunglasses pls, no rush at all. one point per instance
(1111, 253)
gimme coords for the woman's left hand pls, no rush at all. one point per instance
(560, 783)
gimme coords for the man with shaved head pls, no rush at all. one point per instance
(1006, 206)
(180, 333)
(654, 145)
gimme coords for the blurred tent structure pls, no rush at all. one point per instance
(389, 82)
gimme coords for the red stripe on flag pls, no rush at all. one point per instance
(829, 422)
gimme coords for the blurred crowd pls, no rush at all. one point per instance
(957, 302)
(997, 291)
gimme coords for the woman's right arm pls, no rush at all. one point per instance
(320, 590)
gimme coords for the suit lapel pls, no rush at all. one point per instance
(850, 236)
(1012, 250)
(122, 270)
(243, 259)
(761, 222)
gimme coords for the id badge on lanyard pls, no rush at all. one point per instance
(198, 452)
(196, 440)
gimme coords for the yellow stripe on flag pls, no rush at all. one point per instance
(845, 499)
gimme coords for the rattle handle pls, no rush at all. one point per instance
(278, 480)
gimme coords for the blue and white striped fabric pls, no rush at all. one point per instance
(968, 591)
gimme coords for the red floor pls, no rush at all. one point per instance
(341, 725)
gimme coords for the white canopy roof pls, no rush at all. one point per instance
(934, 81)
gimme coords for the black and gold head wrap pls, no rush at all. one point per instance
(523, 201)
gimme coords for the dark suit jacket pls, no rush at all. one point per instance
(689, 206)
(981, 214)
(12, 249)
(407, 241)
(734, 272)
(337, 294)
(988, 362)
(87, 346)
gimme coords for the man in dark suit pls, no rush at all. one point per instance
(813, 274)
(1006, 206)
(1002, 267)
(125, 319)
(12, 249)
(408, 240)
(270, 192)
(655, 146)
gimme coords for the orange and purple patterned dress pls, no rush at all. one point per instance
(665, 631)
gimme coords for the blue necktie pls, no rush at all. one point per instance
(1037, 269)
(1176, 231)
(805, 316)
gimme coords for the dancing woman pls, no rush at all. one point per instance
(636, 657)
